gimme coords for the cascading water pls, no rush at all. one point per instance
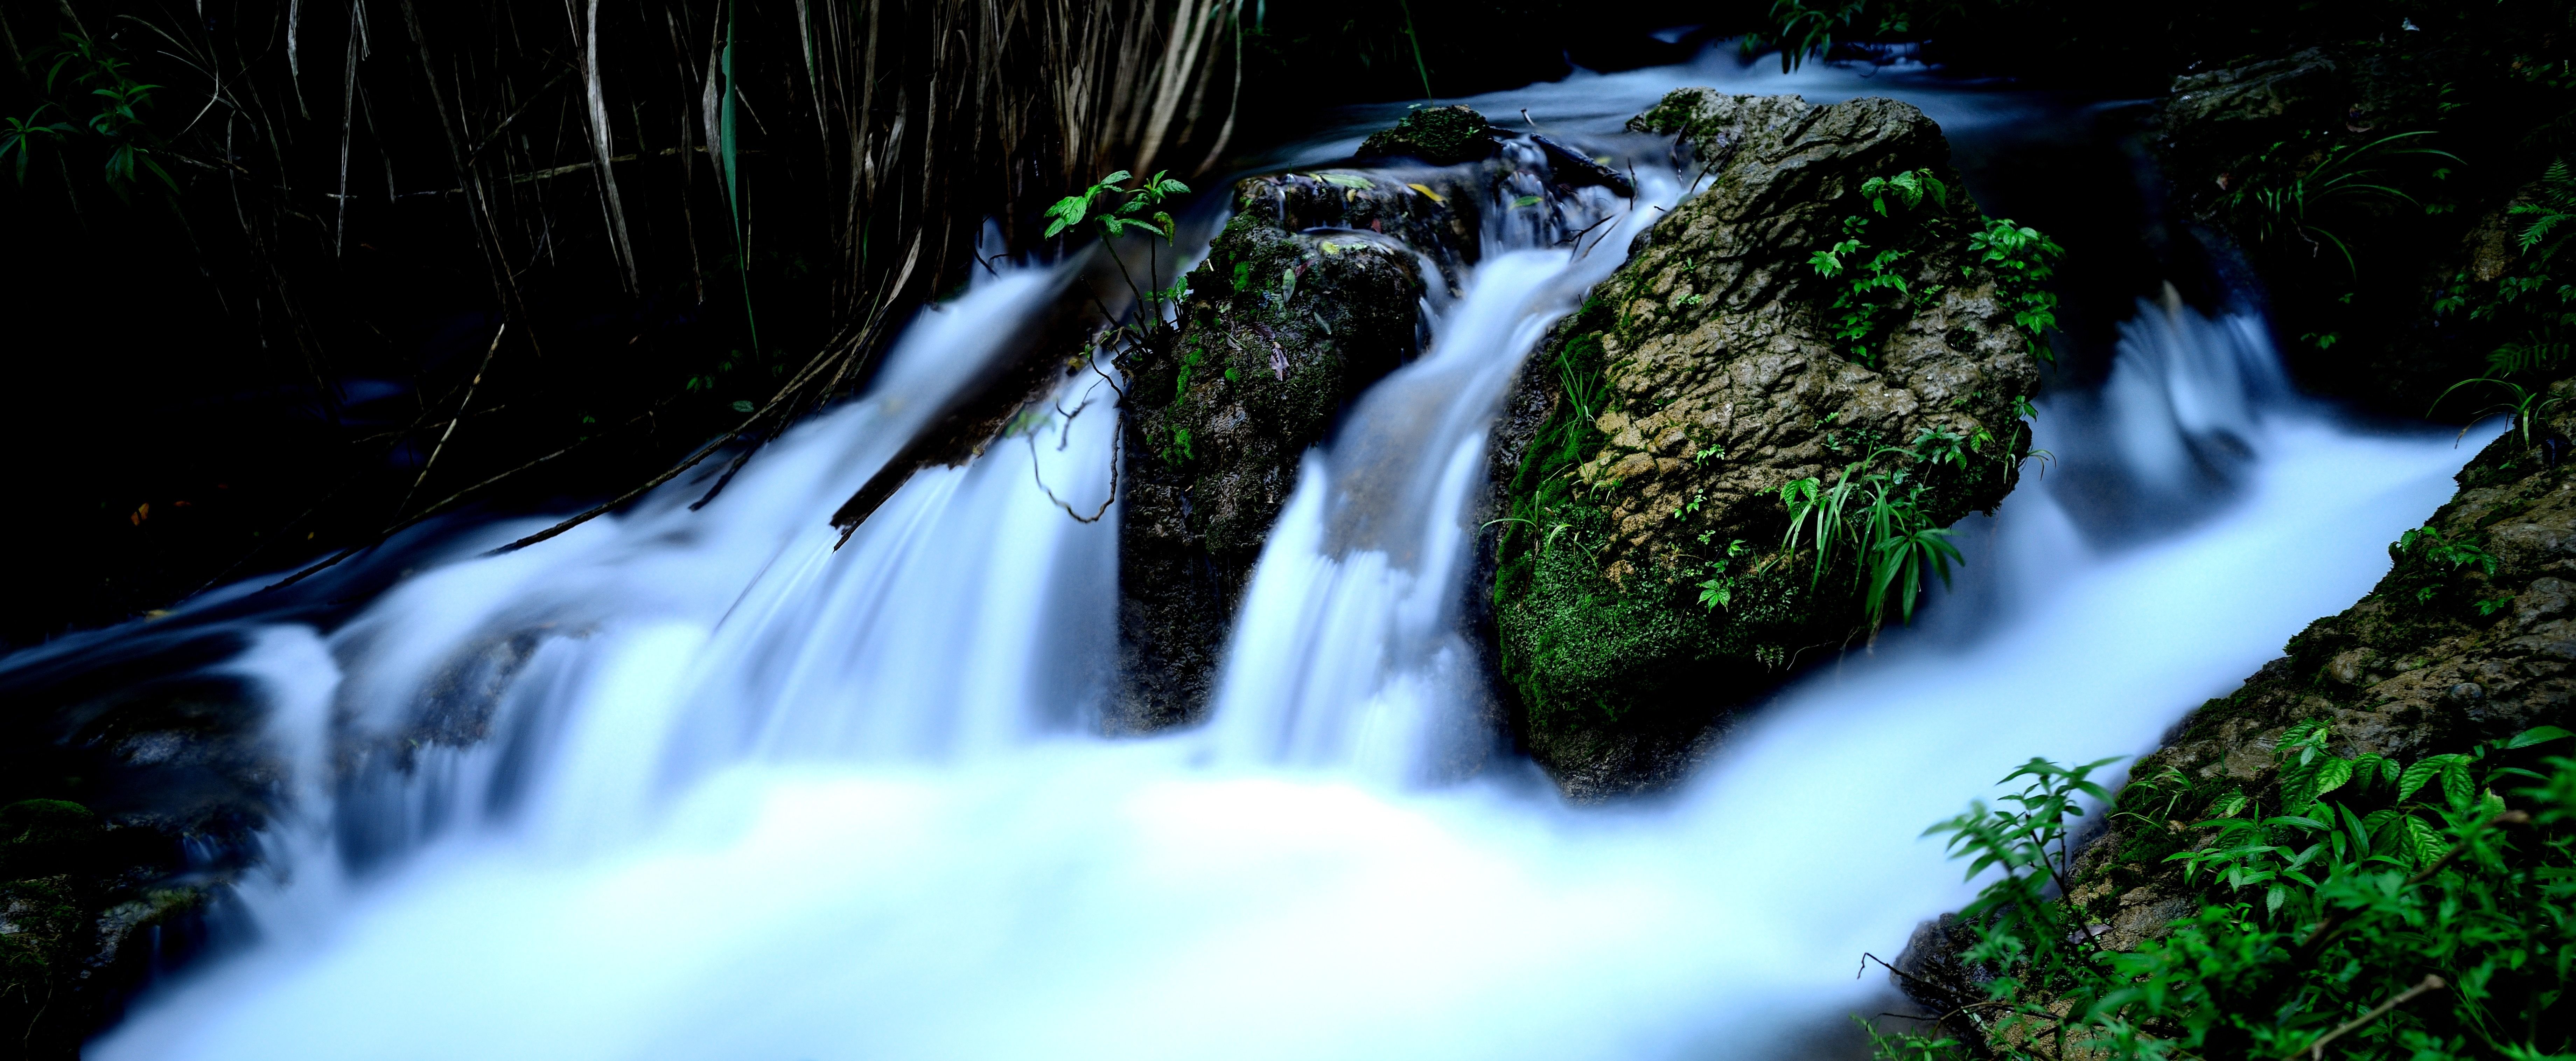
(744, 796)
(1349, 652)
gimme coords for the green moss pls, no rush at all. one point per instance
(45, 837)
(1582, 651)
(1439, 135)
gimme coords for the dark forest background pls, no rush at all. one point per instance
(287, 275)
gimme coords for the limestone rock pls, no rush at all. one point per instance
(1647, 442)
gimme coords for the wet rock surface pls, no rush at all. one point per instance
(1281, 328)
(1640, 458)
(127, 804)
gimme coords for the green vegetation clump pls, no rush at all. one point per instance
(2531, 302)
(2361, 907)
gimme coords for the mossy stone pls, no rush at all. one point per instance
(1443, 136)
(44, 837)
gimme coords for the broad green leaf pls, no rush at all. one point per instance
(2360, 835)
(2332, 773)
(2425, 839)
(2415, 778)
(2537, 735)
(2456, 787)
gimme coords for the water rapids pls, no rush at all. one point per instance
(746, 796)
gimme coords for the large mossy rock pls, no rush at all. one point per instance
(1281, 328)
(1642, 586)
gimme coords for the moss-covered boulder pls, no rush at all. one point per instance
(1441, 136)
(1830, 312)
(1279, 330)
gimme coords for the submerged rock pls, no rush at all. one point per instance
(1642, 586)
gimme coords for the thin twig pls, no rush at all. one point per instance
(2316, 1051)
(1114, 453)
(442, 506)
(459, 418)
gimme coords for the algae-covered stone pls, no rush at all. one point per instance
(1438, 135)
(1280, 329)
(129, 794)
(1642, 585)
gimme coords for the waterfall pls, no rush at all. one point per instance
(1349, 652)
(742, 794)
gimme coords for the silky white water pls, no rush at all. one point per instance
(746, 796)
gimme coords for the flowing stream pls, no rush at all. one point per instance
(746, 796)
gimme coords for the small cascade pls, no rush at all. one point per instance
(1348, 651)
(568, 691)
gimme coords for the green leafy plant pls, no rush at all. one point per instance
(2531, 301)
(1113, 209)
(2428, 564)
(2526, 405)
(1718, 589)
(1871, 293)
(113, 102)
(2428, 543)
(2361, 905)
(1873, 289)
(2553, 205)
(1876, 518)
(2285, 196)
(19, 136)
(1807, 29)
(2023, 261)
